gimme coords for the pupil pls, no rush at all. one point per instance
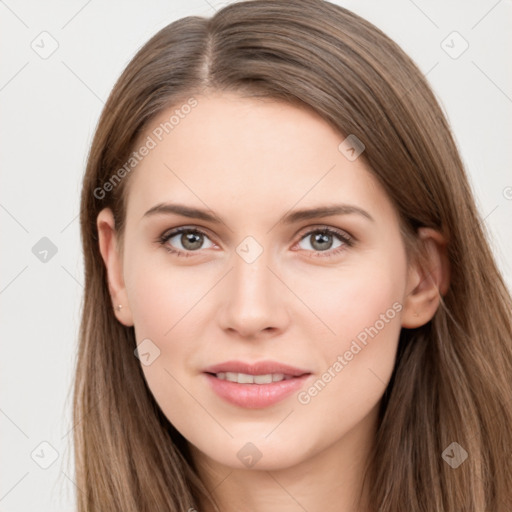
(191, 241)
(321, 238)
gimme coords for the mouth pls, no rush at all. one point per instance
(255, 386)
(245, 378)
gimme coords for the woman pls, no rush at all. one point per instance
(289, 303)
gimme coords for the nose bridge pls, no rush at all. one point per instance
(254, 298)
(251, 277)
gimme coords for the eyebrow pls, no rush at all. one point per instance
(290, 218)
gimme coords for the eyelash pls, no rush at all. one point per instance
(347, 240)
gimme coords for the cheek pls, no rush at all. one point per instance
(161, 296)
(163, 301)
(367, 299)
(355, 297)
(362, 307)
(167, 303)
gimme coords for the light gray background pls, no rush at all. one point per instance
(49, 109)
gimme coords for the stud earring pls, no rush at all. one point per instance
(118, 308)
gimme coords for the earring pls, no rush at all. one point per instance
(118, 308)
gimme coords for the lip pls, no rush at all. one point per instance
(259, 368)
(255, 396)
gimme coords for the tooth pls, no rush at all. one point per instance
(243, 378)
(263, 379)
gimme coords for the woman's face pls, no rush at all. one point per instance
(264, 284)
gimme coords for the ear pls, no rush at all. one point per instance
(426, 284)
(112, 257)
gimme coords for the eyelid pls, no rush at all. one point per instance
(172, 232)
(324, 227)
(301, 232)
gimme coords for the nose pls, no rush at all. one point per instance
(255, 300)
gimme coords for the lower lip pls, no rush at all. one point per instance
(255, 396)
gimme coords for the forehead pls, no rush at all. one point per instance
(249, 155)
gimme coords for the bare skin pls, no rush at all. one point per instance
(303, 301)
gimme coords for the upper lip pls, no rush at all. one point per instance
(259, 368)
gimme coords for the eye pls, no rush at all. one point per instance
(323, 240)
(184, 241)
(187, 239)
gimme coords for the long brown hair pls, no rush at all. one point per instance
(452, 377)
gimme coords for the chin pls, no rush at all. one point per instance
(253, 453)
